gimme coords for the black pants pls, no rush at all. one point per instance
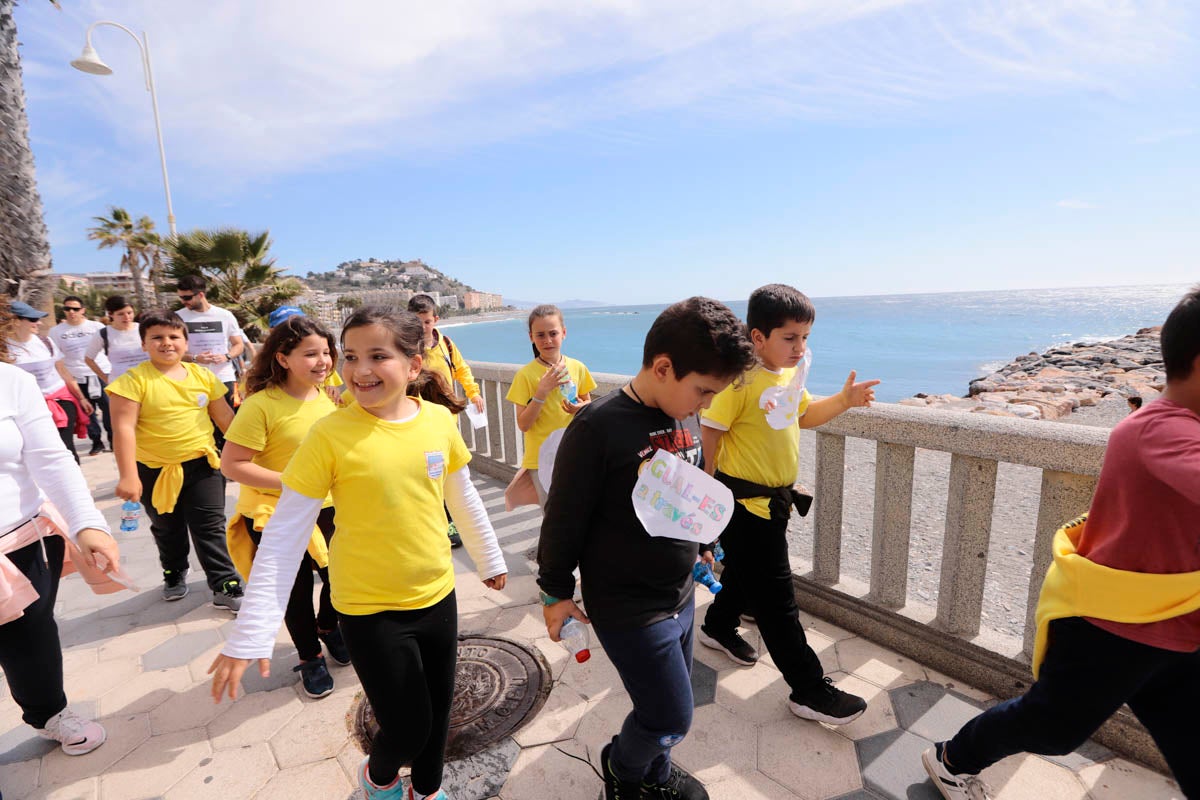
(101, 411)
(1088, 673)
(30, 653)
(200, 509)
(758, 579)
(67, 433)
(405, 660)
(301, 624)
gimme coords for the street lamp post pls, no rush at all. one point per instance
(90, 62)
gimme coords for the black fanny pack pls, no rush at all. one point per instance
(780, 499)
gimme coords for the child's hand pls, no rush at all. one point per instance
(86, 405)
(550, 381)
(770, 405)
(858, 395)
(706, 556)
(129, 489)
(573, 408)
(93, 542)
(557, 614)
(497, 582)
(227, 674)
(477, 401)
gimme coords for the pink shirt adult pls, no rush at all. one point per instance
(1145, 516)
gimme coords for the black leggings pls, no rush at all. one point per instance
(405, 660)
(298, 617)
(68, 432)
(30, 653)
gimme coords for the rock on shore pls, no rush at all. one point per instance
(1052, 384)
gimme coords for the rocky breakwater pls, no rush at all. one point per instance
(1052, 384)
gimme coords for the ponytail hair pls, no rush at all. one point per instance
(266, 371)
(544, 310)
(408, 336)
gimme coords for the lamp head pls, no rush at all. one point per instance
(90, 62)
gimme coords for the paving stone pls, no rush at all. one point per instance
(198, 666)
(891, 766)
(177, 652)
(20, 743)
(758, 694)
(21, 778)
(1119, 779)
(808, 758)
(169, 611)
(239, 772)
(719, 745)
(477, 622)
(91, 631)
(876, 664)
(985, 699)
(96, 681)
(482, 775)
(704, 684)
(594, 678)
(319, 779)
(861, 794)
(190, 708)
(558, 719)
(524, 624)
(1085, 755)
(521, 590)
(601, 721)
(134, 604)
(1021, 777)
(283, 658)
(555, 654)
(82, 789)
(80, 658)
(543, 771)
(200, 616)
(125, 733)
(253, 718)
(145, 691)
(824, 628)
(750, 786)
(154, 766)
(134, 643)
(349, 758)
(930, 711)
(879, 716)
(317, 732)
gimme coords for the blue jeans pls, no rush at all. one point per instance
(1088, 673)
(655, 664)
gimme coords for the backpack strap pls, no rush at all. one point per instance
(49, 344)
(449, 355)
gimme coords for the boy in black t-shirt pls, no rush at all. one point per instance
(638, 589)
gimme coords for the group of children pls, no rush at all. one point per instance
(713, 391)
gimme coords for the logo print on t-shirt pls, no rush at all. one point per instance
(202, 400)
(435, 464)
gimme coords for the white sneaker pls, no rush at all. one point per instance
(952, 787)
(78, 735)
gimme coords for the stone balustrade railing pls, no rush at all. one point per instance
(951, 637)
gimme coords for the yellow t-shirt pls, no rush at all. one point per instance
(390, 551)
(552, 416)
(750, 448)
(274, 423)
(173, 424)
(448, 362)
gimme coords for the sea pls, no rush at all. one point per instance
(931, 343)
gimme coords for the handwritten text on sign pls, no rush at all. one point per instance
(674, 499)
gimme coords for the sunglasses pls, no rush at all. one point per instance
(72, 308)
(187, 298)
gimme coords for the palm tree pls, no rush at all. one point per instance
(137, 238)
(24, 245)
(241, 275)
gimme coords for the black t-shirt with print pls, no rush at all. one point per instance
(629, 578)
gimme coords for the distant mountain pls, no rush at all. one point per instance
(561, 303)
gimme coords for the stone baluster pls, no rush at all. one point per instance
(512, 434)
(494, 401)
(893, 524)
(827, 528)
(965, 547)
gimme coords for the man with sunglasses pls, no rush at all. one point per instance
(214, 336)
(73, 335)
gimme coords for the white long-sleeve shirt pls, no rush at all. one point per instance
(286, 537)
(34, 464)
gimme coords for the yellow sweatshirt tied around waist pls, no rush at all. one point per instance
(259, 507)
(169, 483)
(1077, 587)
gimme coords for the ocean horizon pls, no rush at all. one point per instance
(931, 343)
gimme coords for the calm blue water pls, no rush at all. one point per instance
(934, 343)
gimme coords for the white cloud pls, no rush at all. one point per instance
(278, 86)
(1077, 205)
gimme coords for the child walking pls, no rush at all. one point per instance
(637, 588)
(389, 460)
(751, 439)
(286, 396)
(541, 391)
(1119, 613)
(163, 412)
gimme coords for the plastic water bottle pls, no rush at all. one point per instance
(130, 512)
(718, 552)
(575, 638)
(704, 575)
(570, 391)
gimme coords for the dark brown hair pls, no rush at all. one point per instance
(700, 335)
(266, 371)
(1180, 337)
(776, 304)
(422, 304)
(540, 312)
(408, 336)
(166, 319)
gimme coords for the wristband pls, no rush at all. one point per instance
(536, 400)
(548, 600)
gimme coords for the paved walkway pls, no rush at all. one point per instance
(139, 665)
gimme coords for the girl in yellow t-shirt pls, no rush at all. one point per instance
(547, 392)
(285, 396)
(389, 460)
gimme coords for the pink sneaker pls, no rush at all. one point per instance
(78, 735)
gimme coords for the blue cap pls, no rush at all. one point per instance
(283, 312)
(24, 310)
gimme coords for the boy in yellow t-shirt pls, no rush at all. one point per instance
(441, 356)
(754, 431)
(163, 442)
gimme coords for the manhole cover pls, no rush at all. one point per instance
(498, 685)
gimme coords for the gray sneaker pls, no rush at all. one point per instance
(174, 584)
(230, 596)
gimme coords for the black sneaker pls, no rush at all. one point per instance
(614, 787)
(174, 584)
(680, 786)
(455, 538)
(827, 703)
(230, 596)
(97, 449)
(335, 646)
(732, 644)
(314, 677)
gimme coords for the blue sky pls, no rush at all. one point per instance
(632, 151)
